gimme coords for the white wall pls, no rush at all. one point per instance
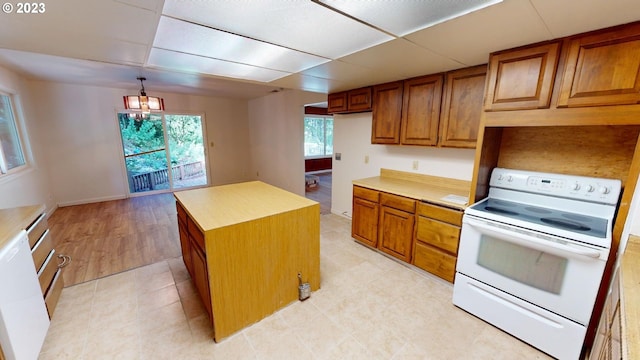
(276, 131)
(352, 138)
(30, 186)
(77, 125)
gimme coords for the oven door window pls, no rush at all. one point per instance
(533, 267)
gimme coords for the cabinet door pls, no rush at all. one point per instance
(387, 113)
(395, 236)
(421, 110)
(186, 247)
(521, 78)
(462, 106)
(364, 223)
(602, 69)
(359, 100)
(337, 102)
(201, 276)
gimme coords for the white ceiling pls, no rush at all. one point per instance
(247, 48)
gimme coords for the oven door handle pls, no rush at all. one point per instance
(524, 239)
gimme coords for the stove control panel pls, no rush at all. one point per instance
(569, 186)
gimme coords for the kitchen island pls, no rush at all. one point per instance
(244, 245)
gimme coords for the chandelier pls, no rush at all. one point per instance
(146, 104)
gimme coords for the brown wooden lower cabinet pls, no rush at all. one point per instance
(193, 255)
(395, 233)
(424, 235)
(437, 239)
(201, 277)
(364, 224)
(383, 221)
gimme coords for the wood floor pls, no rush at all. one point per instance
(322, 192)
(113, 236)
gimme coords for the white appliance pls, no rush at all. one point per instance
(23, 315)
(532, 255)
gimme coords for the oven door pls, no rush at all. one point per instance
(556, 274)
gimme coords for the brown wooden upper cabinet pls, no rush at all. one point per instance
(357, 100)
(602, 68)
(522, 78)
(409, 112)
(462, 107)
(421, 110)
(387, 113)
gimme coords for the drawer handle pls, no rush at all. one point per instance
(66, 260)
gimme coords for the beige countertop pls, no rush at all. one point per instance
(15, 219)
(630, 298)
(219, 206)
(433, 189)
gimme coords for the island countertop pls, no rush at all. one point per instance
(219, 206)
(432, 189)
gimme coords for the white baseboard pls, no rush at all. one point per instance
(93, 200)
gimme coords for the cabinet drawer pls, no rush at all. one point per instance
(36, 229)
(398, 202)
(41, 250)
(195, 233)
(48, 271)
(440, 213)
(53, 294)
(434, 261)
(364, 193)
(441, 235)
(182, 214)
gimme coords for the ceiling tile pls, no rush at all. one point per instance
(306, 82)
(402, 18)
(588, 15)
(182, 36)
(337, 70)
(83, 29)
(198, 64)
(471, 38)
(401, 59)
(300, 25)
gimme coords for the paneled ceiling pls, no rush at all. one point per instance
(248, 48)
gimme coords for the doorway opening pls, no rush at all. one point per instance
(163, 152)
(318, 153)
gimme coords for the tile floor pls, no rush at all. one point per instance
(369, 307)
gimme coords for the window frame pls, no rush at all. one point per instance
(324, 130)
(18, 124)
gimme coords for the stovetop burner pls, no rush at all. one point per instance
(558, 219)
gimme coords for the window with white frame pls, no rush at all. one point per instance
(318, 136)
(11, 154)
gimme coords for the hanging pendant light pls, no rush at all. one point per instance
(146, 104)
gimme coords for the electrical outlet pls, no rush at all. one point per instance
(366, 159)
(415, 164)
(338, 156)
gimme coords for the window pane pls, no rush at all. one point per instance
(9, 139)
(313, 136)
(186, 149)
